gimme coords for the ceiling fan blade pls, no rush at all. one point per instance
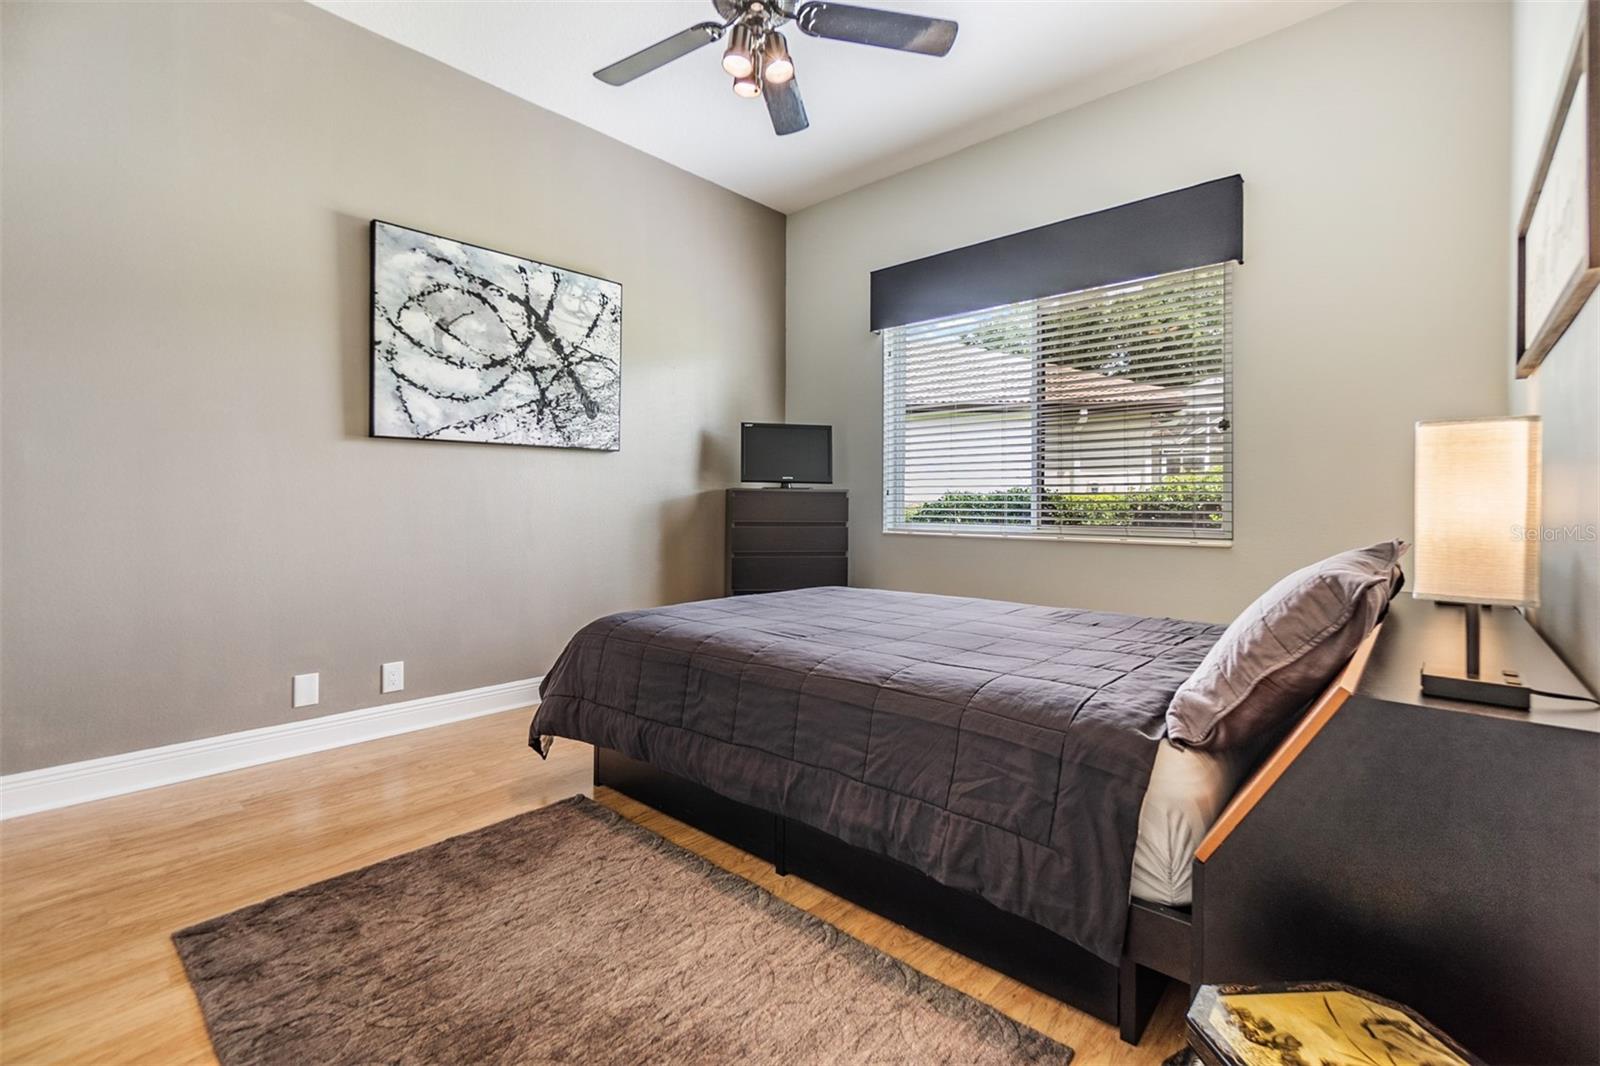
(785, 108)
(659, 54)
(885, 29)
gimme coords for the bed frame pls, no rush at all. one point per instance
(1158, 937)
(1159, 945)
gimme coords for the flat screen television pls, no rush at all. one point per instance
(785, 454)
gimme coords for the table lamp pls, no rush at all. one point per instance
(1477, 540)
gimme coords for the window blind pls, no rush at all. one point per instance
(1105, 413)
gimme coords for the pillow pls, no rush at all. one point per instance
(1285, 648)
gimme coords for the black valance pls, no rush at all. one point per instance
(1192, 227)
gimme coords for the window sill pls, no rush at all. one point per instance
(1079, 538)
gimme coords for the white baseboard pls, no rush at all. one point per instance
(79, 782)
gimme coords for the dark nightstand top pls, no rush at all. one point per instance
(1417, 631)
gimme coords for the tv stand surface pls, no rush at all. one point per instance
(779, 540)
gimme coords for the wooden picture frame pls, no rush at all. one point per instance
(1558, 255)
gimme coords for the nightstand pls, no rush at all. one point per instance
(1445, 855)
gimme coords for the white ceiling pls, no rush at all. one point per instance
(873, 112)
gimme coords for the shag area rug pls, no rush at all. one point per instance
(569, 934)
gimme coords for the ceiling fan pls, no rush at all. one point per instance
(757, 56)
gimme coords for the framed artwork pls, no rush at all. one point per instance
(470, 344)
(1558, 235)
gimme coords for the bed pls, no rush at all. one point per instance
(1002, 750)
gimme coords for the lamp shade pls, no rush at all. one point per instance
(1477, 511)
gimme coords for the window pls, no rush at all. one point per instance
(1097, 414)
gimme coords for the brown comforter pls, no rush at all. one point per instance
(997, 747)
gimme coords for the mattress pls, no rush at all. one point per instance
(1188, 790)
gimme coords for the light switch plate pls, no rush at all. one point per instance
(307, 689)
(393, 677)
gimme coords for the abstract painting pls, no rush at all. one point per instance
(470, 344)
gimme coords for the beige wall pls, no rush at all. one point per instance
(1372, 144)
(1565, 392)
(192, 510)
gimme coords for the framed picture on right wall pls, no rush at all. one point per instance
(1558, 234)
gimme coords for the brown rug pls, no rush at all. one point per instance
(568, 934)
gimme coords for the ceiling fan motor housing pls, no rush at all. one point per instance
(757, 14)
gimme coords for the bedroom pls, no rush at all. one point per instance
(251, 643)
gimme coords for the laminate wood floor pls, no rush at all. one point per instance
(90, 895)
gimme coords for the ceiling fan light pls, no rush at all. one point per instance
(777, 66)
(748, 86)
(739, 59)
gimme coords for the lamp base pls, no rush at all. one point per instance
(1503, 690)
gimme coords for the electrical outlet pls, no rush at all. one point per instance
(393, 677)
(307, 689)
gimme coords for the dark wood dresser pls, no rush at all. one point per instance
(1438, 853)
(786, 539)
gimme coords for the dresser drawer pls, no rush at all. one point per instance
(773, 573)
(799, 539)
(787, 505)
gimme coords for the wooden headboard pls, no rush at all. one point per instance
(1321, 713)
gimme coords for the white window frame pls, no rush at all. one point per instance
(897, 416)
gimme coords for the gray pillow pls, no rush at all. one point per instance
(1285, 648)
